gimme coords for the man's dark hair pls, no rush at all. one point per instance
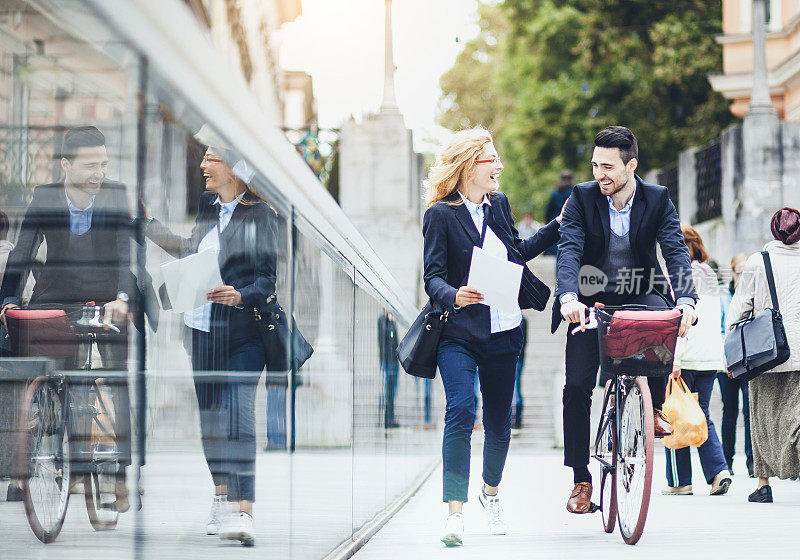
(618, 137)
(81, 137)
(4, 225)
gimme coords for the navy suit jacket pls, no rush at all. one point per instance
(248, 245)
(585, 232)
(449, 236)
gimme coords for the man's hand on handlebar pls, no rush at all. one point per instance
(574, 312)
(688, 319)
(3, 312)
(114, 311)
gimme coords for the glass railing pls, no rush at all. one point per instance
(192, 325)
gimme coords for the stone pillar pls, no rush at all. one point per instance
(760, 194)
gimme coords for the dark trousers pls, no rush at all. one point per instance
(226, 400)
(518, 404)
(679, 463)
(730, 389)
(389, 391)
(582, 363)
(110, 395)
(494, 363)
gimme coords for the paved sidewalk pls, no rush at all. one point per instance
(535, 489)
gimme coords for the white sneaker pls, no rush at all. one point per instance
(454, 530)
(219, 509)
(237, 526)
(494, 513)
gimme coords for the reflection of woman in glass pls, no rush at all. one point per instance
(465, 209)
(226, 351)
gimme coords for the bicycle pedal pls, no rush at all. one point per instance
(593, 508)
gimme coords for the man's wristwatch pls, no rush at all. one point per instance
(122, 296)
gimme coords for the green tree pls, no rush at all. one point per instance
(545, 75)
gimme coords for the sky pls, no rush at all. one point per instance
(341, 44)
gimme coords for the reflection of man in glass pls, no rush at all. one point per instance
(387, 345)
(85, 224)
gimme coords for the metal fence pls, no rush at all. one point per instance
(668, 177)
(708, 165)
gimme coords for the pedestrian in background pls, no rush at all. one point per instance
(466, 210)
(387, 347)
(774, 395)
(698, 359)
(730, 388)
(558, 197)
(518, 403)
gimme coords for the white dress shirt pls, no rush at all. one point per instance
(491, 244)
(200, 317)
(620, 220)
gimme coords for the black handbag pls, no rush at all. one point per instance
(273, 329)
(417, 351)
(758, 343)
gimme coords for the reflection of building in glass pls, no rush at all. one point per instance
(145, 73)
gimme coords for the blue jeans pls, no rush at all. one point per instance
(276, 417)
(494, 362)
(679, 465)
(389, 391)
(226, 399)
(730, 388)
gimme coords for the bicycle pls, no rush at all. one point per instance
(625, 434)
(66, 423)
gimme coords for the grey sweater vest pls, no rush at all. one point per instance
(619, 256)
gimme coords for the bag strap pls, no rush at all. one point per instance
(770, 281)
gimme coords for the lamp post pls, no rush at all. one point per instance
(760, 193)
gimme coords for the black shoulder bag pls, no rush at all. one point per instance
(419, 347)
(285, 347)
(756, 344)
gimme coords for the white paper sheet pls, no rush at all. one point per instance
(497, 279)
(189, 279)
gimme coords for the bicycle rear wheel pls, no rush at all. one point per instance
(635, 460)
(43, 458)
(605, 449)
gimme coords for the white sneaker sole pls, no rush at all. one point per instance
(498, 530)
(452, 539)
(212, 530)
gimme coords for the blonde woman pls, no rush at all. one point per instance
(465, 209)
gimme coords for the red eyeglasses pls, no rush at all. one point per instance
(493, 159)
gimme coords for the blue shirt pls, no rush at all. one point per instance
(80, 220)
(620, 220)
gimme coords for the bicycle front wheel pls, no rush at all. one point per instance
(605, 449)
(635, 460)
(43, 458)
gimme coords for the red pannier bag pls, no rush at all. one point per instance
(643, 335)
(40, 332)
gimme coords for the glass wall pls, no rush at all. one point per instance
(184, 351)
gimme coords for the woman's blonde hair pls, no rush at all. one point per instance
(454, 162)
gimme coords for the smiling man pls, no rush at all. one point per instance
(85, 223)
(612, 225)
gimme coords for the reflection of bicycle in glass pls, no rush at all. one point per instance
(68, 432)
(634, 343)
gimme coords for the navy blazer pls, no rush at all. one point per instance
(248, 245)
(585, 232)
(449, 236)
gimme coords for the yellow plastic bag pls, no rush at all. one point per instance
(682, 410)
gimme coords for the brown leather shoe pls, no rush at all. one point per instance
(581, 498)
(661, 426)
